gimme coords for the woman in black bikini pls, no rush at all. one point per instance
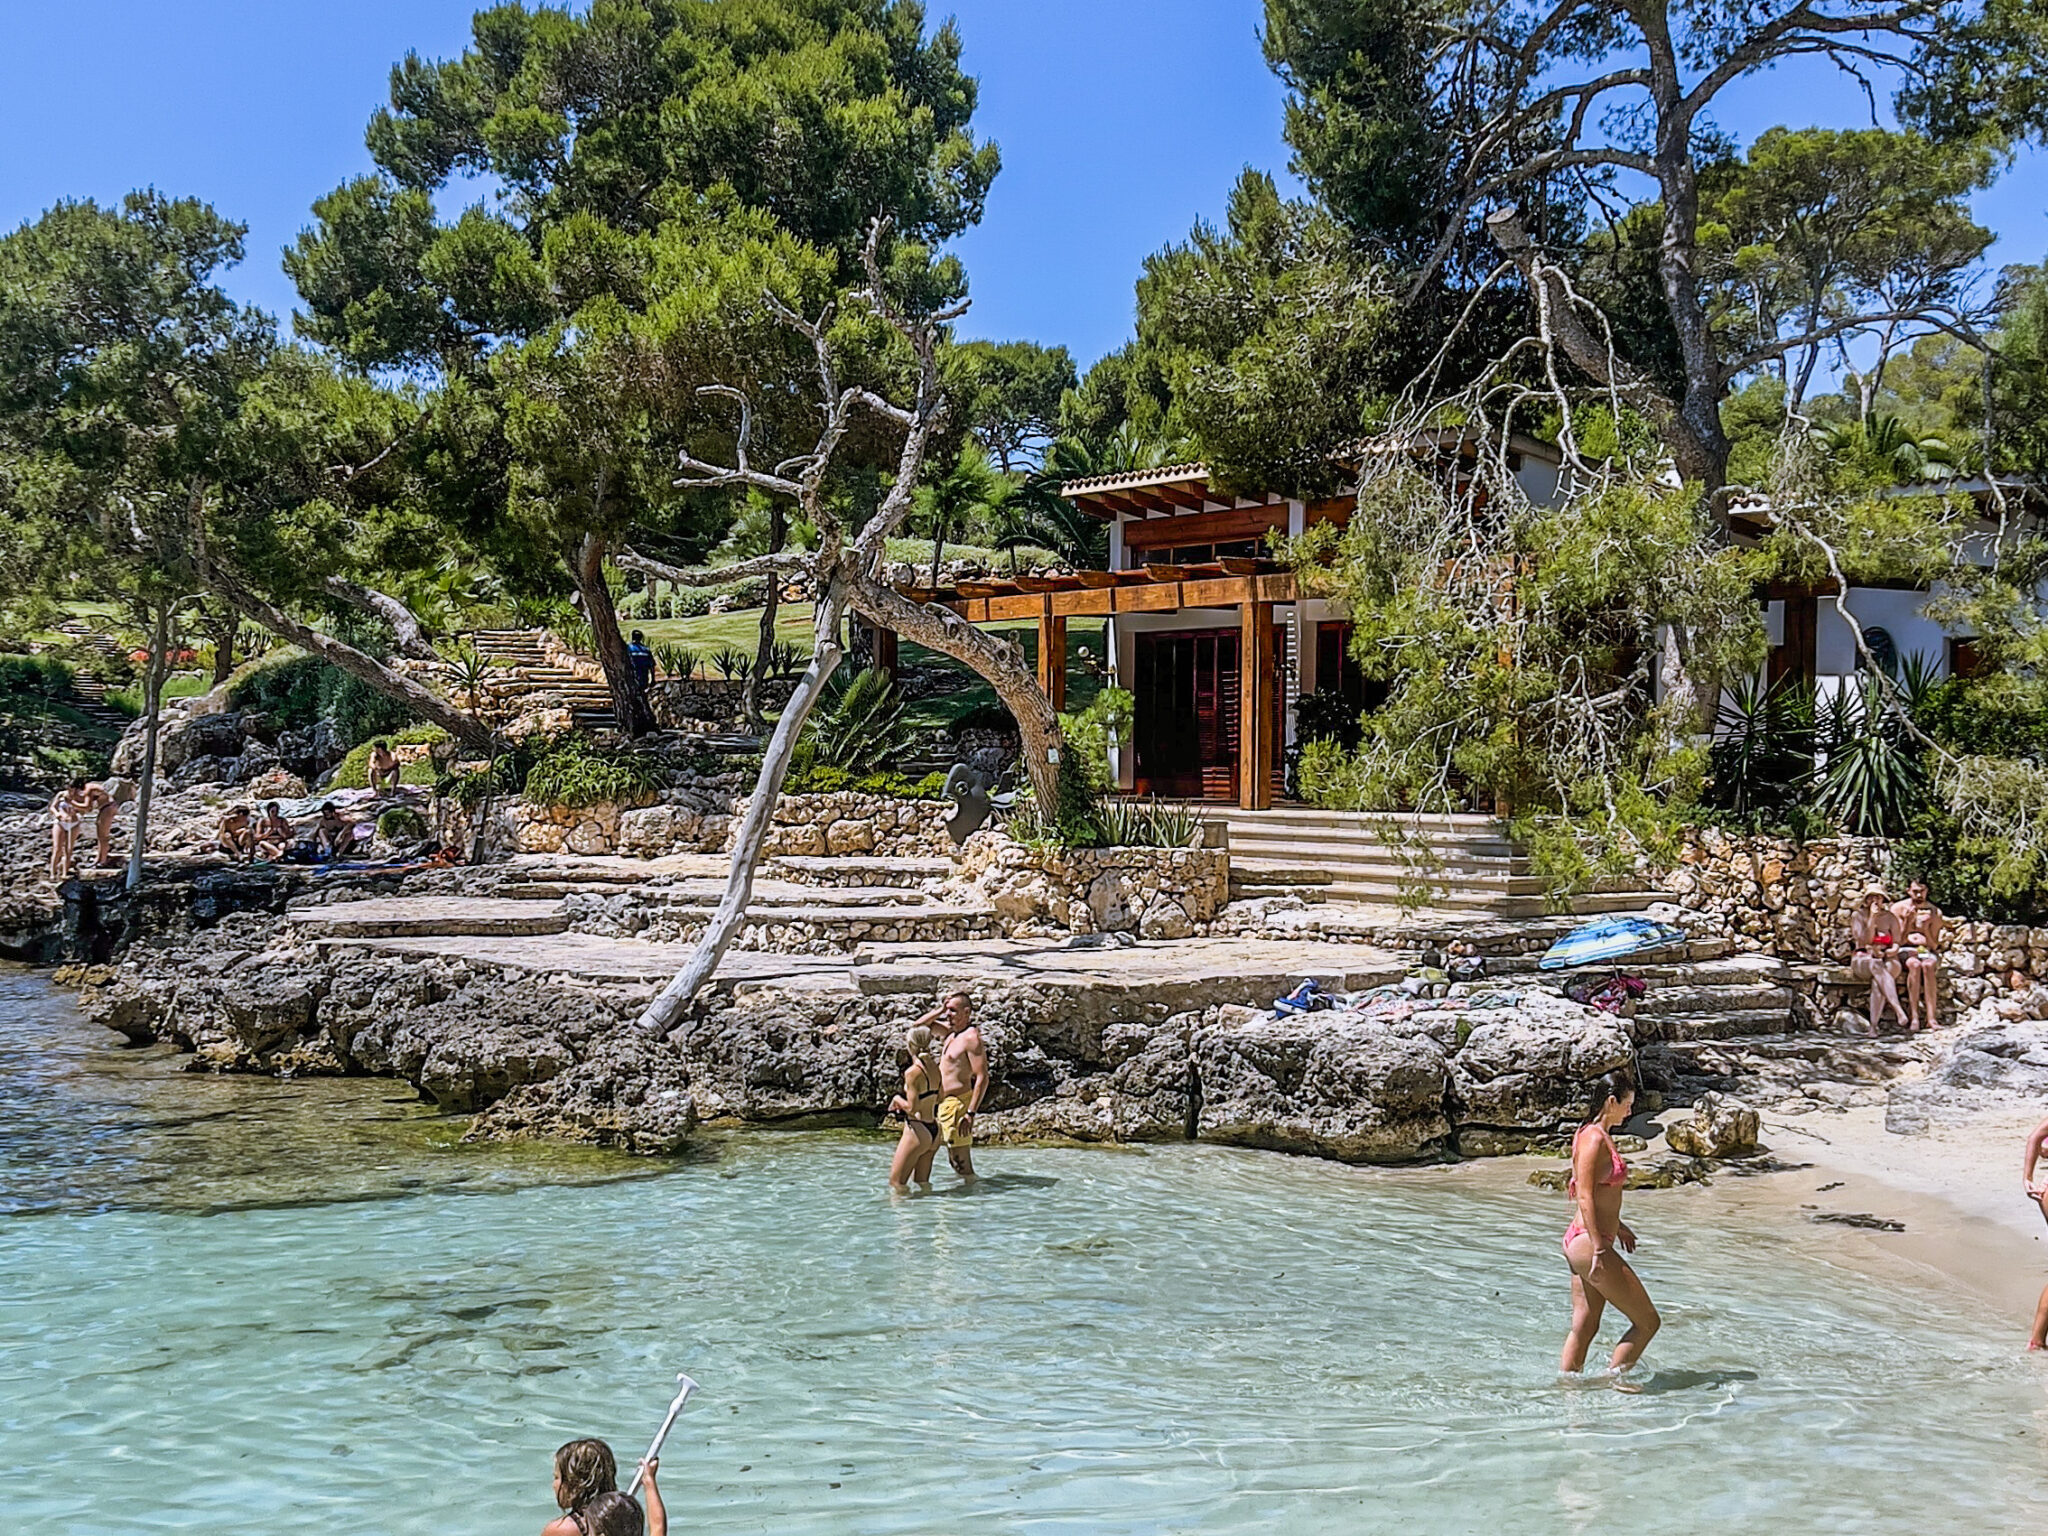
(918, 1103)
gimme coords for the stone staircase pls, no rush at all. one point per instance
(524, 678)
(1709, 990)
(88, 688)
(805, 905)
(1448, 863)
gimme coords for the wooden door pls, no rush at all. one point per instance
(1185, 705)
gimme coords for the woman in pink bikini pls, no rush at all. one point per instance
(1598, 1237)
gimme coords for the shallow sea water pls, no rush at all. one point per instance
(231, 1305)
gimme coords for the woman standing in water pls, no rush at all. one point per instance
(919, 1105)
(2037, 1145)
(1598, 1237)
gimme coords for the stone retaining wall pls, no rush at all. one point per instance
(1794, 900)
(703, 816)
(1157, 893)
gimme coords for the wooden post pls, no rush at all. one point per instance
(1052, 655)
(1255, 707)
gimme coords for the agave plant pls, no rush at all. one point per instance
(858, 726)
(1762, 757)
(677, 661)
(1871, 779)
(786, 658)
(732, 663)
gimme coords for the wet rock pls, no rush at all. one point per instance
(627, 1094)
(1718, 1127)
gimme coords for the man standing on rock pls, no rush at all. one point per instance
(963, 1078)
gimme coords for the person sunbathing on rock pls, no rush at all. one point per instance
(383, 767)
(1597, 1238)
(918, 1103)
(237, 836)
(1874, 955)
(332, 832)
(273, 833)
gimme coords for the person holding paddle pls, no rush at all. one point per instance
(587, 1491)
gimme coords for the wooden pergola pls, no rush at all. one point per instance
(1251, 586)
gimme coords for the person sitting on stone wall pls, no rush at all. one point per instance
(1874, 955)
(384, 769)
(1920, 931)
(237, 836)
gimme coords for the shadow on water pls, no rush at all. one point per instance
(1657, 1383)
(991, 1184)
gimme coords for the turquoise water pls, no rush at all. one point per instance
(1182, 1339)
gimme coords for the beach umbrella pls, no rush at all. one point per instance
(1609, 939)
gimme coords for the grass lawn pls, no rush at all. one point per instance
(714, 632)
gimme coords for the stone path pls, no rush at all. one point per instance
(1205, 970)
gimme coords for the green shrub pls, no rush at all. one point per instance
(573, 771)
(41, 676)
(354, 770)
(1090, 734)
(808, 778)
(1326, 715)
(858, 726)
(401, 824)
(298, 691)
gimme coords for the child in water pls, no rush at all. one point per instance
(587, 1490)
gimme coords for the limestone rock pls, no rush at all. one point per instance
(1717, 1127)
(1349, 1090)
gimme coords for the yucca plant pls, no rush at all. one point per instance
(786, 658)
(677, 661)
(1762, 759)
(858, 726)
(1871, 779)
(732, 663)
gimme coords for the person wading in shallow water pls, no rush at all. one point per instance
(2037, 1146)
(587, 1490)
(918, 1103)
(963, 1078)
(1598, 1237)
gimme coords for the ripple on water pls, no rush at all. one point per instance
(1188, 1339)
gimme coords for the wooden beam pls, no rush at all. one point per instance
(1052, 657)
(1206, 528)
(1255, 707)
(1137, 597)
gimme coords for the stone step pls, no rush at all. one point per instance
(1718, 1024)
(427, 917)
(857, 869)
(1692, 998)
(704, 896)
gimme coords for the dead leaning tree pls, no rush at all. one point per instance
(845, 572)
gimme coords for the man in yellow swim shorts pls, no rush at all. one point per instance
(963, 1078)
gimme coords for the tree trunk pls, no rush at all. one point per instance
(661, 1014)
(750, 701)
(425, 703)
(939, 545)
(1000, 663)
(152, 704)
(408, 635)
(224, 650)
(629, 710)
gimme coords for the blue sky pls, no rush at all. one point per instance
(1120, 121)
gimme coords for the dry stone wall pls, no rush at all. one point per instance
(1156, 893)
(1791, 899)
